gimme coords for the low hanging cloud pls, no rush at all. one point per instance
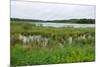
(50, 11)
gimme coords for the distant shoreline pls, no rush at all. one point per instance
(79, 21)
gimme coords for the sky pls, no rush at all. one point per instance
(50, 11)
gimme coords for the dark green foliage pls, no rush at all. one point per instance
(86, 21)
(80, 21)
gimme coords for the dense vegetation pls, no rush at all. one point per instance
(86, 21)
(82, 50)
(80, 21)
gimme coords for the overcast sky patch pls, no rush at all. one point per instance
(50, 11)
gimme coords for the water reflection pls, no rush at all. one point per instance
(64, 25)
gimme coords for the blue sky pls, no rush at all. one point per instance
(50, 11)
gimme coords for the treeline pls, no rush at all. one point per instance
(30, 20)
(86, 21)
(80, 21)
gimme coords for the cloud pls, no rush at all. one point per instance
(49, 11)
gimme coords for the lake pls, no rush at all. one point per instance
(48, 24)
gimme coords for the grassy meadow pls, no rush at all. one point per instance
(57, 49)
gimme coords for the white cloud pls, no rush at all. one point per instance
(50, 11)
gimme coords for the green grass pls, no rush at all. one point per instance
(36, 56)
(78, 51)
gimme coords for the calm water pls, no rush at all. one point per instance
(64, 25)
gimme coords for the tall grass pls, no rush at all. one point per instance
(82, 50)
